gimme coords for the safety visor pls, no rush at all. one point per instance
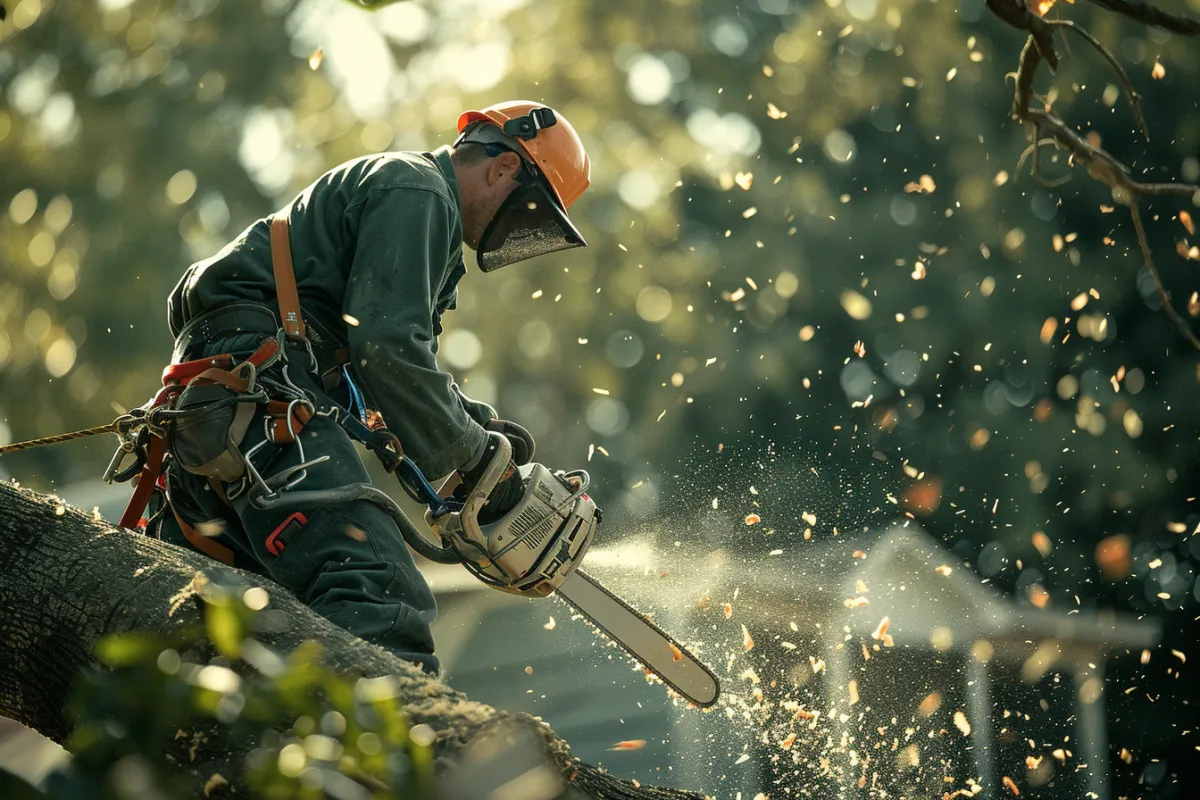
(529, 223)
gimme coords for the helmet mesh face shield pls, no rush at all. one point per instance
(529, 223)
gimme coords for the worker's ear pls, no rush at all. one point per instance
(505, 165)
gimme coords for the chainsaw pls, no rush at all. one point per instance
(535, 549)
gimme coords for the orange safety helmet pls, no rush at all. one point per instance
(554, 147)
(533, 220)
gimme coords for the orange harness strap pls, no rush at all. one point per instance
(286, 427)
(216, 369)
(205, 544)
(285, 277)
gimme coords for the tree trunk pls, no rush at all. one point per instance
(67, 578)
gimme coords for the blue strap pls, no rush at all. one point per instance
(358, 406)
(407, 472)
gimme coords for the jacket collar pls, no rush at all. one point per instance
(441, 157)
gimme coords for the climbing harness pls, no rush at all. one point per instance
(203, 412)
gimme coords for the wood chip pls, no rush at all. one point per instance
(629, 744)
(930, 705)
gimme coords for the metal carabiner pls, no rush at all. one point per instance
(284, 339)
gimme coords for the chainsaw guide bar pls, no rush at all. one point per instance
(641, 638)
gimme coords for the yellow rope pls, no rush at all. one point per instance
(62, 437)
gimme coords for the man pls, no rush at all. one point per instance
(376, 249)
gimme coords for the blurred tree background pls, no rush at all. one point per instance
(811, 254)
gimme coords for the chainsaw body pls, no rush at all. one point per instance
(535, 550)
(534, 547)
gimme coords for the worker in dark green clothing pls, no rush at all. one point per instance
(377, 247)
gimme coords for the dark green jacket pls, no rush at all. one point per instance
(377, 250)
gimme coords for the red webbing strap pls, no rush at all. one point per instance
(184, 372)
(265, 352)
(146, 481)
(205, 544)
(231, 381)
(285, 277)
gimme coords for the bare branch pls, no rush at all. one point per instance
(1045, 183)
(1032, 151)
(1100, 164)
(1151, 15)
(1180, 323)
(1125, 84)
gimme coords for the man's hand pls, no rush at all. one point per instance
(522, 442)
(506, 494)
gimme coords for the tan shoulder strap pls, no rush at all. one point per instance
(285, 277)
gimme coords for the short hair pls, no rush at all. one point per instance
(468, 154)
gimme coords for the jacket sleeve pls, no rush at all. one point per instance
(481, 412)
(404, 242)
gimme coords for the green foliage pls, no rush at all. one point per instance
(168, 701)
(372, 4)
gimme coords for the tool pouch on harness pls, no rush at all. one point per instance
(210, 423)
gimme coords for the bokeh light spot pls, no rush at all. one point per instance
(181, 187)
(23, 206)
(461, 348)
(60, 356)
(839, 146)
(653, 304)
(649, 81)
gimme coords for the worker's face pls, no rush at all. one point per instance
(483, 188)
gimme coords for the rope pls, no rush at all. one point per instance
(62, 437)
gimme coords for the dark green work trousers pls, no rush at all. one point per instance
(348, 562)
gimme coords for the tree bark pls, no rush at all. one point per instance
(67, 579)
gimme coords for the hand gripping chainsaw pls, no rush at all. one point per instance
(535, 549)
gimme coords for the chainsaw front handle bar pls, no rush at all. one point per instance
(492, 474)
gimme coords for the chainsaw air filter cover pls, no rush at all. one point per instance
(538, 544)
